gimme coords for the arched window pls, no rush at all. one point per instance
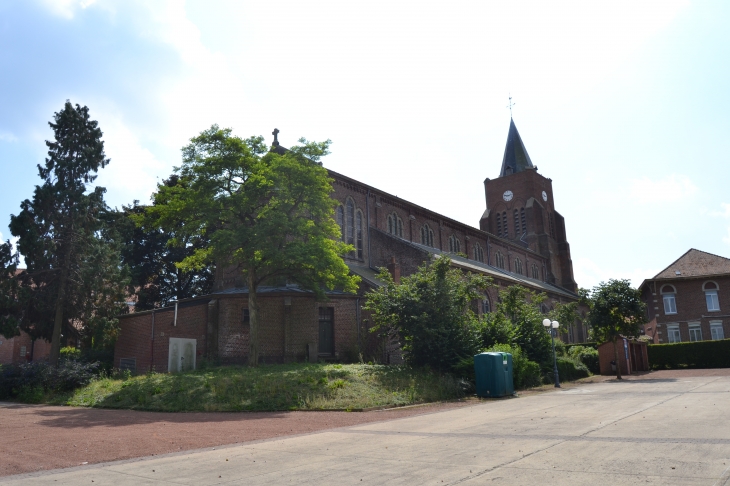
(517, 223)
(426, 235)
(713, 301)
(535, 272)
(395, 225)
(505, 233)
(499, 259)
(478, 253)
(340, 212)
(499, 224)
(350, 221)
(454, 244)
(523, 221)
(518, 266)
(669, 297)
(358, 233)
(486, 305)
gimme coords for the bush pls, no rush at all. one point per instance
(29, 381)
(587, 356)
(569, 370)
(698, 354)
(70, 353)
(525, 373)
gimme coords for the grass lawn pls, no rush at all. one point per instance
(269, 387)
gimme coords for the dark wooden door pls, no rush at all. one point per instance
(326, 331)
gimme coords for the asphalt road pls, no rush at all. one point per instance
(648, 431)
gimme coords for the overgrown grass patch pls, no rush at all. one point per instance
(270, 387)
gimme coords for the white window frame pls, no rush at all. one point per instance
(716, 326)
(713, 301)
(670, 303)
(695, 331)
(673, 334)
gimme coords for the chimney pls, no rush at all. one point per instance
(394, 269)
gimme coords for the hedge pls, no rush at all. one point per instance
(697, 354)
(591, 344)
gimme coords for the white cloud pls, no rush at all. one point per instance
(132, 173)
(67, 8)
(8, 137)
(671, 188)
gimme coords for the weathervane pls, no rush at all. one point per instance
(510, 105)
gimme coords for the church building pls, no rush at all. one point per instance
(521, 239)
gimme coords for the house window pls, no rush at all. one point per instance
(670, 302)
(695, 332)
(341, 221)
(716, 330)
(358, 233)
(395, 225)
(426, 235)
(454, 244)
(518, 266)
(713, 303)
(673, 334)
(478, 253)
(499, 259)
(535, 272)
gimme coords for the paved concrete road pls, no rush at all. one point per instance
(671, 431)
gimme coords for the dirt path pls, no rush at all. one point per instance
(37, 437)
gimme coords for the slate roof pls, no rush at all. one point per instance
(515, 157)
(696, 263)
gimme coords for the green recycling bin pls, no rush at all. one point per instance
(494, 375)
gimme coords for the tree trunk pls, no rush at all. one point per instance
(58, 320)
(615, 358)
(253, 316)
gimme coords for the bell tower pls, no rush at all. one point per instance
(520, 208)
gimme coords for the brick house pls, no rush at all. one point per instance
(521, 239)
(686, 300)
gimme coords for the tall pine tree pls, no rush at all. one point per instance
(73, 273)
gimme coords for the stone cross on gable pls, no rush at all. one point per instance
(275, 133)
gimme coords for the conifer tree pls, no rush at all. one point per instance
(59, 234)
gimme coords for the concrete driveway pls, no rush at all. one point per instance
(649, 431)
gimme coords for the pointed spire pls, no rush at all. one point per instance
(515, 157)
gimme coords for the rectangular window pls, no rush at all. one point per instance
(695, 332)
(716, 330)
(22, 352)
(670, 304)
(713, 304)
(673, 334)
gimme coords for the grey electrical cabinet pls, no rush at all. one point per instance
(494, 375)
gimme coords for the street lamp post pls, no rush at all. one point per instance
(552, 327)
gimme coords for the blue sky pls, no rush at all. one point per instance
(623, 104)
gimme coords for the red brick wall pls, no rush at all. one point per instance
(691, 306)
(10, 349)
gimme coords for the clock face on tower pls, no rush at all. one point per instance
(544, 196)
(507, 196)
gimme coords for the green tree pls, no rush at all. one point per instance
(430, 312)
(268, 215)
(9, 308)
(616, 310)
(156, 280)
(59, 234)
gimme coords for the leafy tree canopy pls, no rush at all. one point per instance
(268, 215)
(430, 313)
(616, 310)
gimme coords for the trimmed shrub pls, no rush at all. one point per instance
(587, 356)
(568, 370)
(698, 354)
(28, 381)
(593, 345)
